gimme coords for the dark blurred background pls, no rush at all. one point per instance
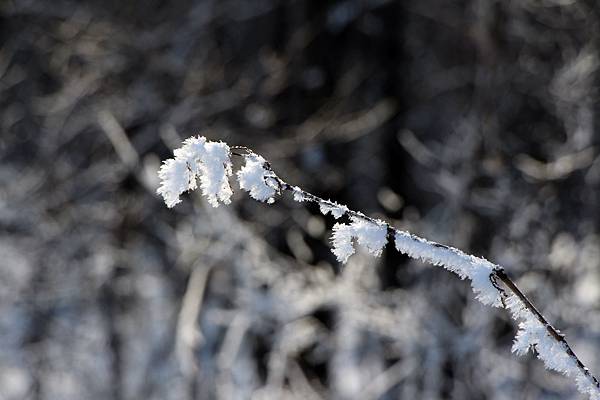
(469, 122)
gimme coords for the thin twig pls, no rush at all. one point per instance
(497, 274)
(555, 333)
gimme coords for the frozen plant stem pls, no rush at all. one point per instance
(209, 162)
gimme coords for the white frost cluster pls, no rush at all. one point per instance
(258, 181)
(197, 159)
(371, 235)
(335, 209)
(554, 355)
(476, 269)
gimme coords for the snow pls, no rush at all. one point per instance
(478, 270)
(371, 235)
(197, 158)
(258, 181)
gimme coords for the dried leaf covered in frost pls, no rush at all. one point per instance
(197, 158)
(337, 210)
(258, 181)
(371, 235)
(215, 169)
(176, 178)
(341, 240)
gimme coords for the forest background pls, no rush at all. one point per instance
(471, 123)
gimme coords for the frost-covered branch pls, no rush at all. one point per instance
(210, 163)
